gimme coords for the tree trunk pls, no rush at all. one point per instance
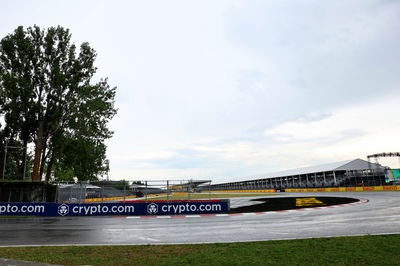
(38, 153)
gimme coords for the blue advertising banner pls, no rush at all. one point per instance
(128, 208)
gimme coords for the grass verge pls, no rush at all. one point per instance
(362, 250)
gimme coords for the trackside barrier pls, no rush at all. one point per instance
(108, 199)
(332, 189)
(115, 209)
(242, 191)
(129, 197)
(344, 189)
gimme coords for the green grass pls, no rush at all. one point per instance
(207, 196)
(364, 250)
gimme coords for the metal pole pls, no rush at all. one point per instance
(315, 179)
(70, 194)
(85, 193)
(145, 196)
(102, 192)
(124, 189)
(5, 157)
(334, 178)
(80, 193)
(188, 191)
(209, 189)
(369, 163)
(57, 194)
(26, 153)
(167, 190)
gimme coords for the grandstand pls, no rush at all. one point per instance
(347, 173)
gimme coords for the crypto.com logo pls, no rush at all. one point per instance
(152, 208)
(63, 209)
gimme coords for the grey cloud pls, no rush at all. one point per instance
(324, 54)
(312, 117)
(182, 159)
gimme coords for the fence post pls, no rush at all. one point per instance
(84, 193)
(70, 193)
(167, 190)
(56, 195)
(80, 192)
(145, 197)
(5, 159)
(124, 189)
(209, 190)
(102, 192)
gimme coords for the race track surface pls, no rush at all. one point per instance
(381, 215)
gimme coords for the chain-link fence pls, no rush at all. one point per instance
(100, 191)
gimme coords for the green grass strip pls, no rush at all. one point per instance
(362, 250)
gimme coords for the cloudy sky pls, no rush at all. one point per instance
(220, 89)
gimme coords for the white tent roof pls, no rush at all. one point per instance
(77, 186)
(348, 165)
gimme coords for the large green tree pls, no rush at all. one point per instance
(48, 99)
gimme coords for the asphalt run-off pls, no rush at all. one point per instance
(376, 213)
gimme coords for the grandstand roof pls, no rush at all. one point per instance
(357, 164)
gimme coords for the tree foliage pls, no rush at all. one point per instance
(48, 100)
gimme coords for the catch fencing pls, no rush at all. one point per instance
(108, 191)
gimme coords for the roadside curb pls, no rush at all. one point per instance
(360, 201)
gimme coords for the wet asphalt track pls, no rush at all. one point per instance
(381, 215)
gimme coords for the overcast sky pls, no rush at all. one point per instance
(219, 89)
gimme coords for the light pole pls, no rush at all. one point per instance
(5, 158)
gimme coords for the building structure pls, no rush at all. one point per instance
(347, 173)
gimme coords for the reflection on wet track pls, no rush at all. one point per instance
(381, 215)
